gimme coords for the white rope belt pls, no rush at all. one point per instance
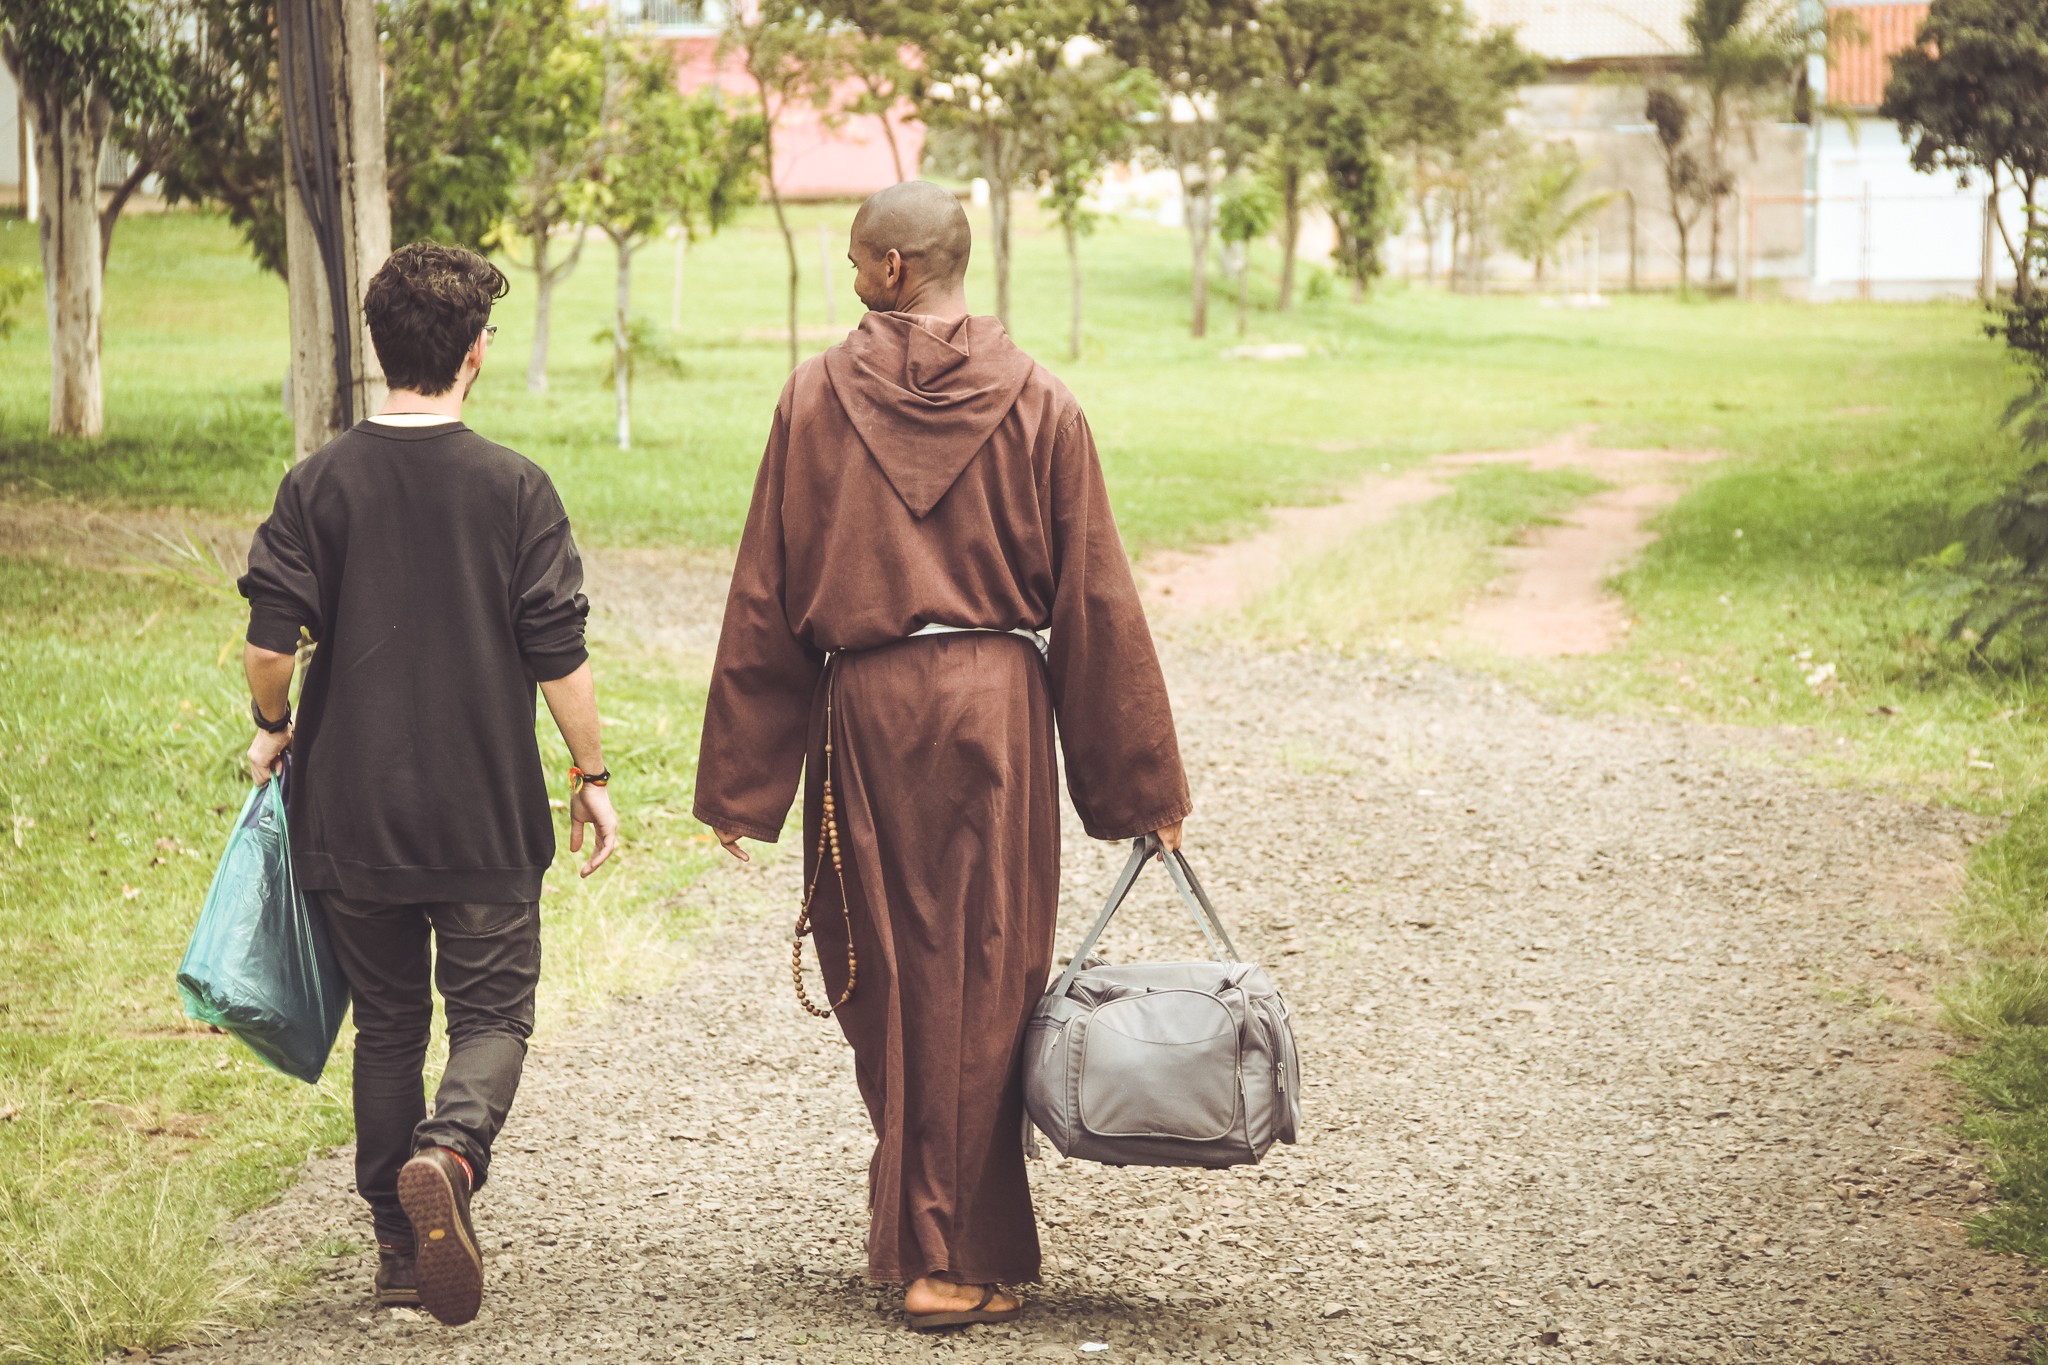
(1036, 637)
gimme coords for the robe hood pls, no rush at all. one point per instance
(925, 395)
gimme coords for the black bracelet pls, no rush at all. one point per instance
(270, 727)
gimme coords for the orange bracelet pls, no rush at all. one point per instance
(578, 779)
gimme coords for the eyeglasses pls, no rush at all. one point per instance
(491, 330)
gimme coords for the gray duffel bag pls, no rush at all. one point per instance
(1162, 1063)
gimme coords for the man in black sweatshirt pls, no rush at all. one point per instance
(436, 575)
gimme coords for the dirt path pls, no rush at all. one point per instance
(1552, 600)
(1581, 1069)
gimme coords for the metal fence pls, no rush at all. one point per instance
(666, 14)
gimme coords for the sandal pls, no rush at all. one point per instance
(959, 1317)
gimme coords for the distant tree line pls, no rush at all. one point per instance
(526, 126)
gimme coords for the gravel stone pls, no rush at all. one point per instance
(1591, 1071)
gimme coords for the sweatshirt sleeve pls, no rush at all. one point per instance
(548, 606)
(757, 716)
(283, 593)
(1116, 725)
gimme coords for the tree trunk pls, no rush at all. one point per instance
(1244, 290)
(68, 137)
(1200, 216)
(337, 212)
(995, 168)
(111, 214)
(1290, 231)
(2030, 247)
(1074, 276)
(1717, 148)
(789, 247)
(889, 133)
(545, 278)
(770, 112)
(999, 223)
(1714, 243)
(543, 314)
(622, 350)
(1684, 259)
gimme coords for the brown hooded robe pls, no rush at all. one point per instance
(929, 472)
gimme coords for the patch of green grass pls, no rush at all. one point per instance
(1413, 574)
(1796, 587)
(1195, 446)
(2003, 1004)
(2008, 1079)
(129, 1134)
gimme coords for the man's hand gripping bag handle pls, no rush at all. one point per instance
(1191, 895)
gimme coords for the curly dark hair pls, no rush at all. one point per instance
(425, 308)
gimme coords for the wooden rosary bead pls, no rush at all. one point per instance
(829, 843)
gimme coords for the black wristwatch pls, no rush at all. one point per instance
(270, 727)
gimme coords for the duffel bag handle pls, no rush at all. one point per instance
(1191, 895)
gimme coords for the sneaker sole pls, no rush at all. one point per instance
(450, 1271)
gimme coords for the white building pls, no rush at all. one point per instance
(1880, 229)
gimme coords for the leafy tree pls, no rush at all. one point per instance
(1245, 212)
(1358, 184)
(459, 77)
(80, 64)
(664, 159)
(557, 146)
(152, 130)
(879, 55)
(1972, 95)
(1196, 53)
(231, 151)
(995, 73)
(2003, 560)
(466, 84)
(1549, 205)
(1371, 57)
(791, 55)
(1482, 177)
(1300, 48)
(1744, 57)
(1460, 91)
(1690, 183)
(1088, 119)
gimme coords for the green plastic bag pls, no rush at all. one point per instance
(259, 964)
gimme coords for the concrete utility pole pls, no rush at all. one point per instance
(337, 220)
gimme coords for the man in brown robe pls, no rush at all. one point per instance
(930, 568)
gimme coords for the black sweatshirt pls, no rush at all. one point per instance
(437, 573)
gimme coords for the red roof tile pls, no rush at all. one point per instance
(1859, 67)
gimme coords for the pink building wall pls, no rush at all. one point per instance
(812, 160)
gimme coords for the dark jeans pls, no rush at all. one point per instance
(486, 960)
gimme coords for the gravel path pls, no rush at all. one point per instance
(1598, 1059)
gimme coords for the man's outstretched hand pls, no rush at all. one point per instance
(593, 806)
(1169, 838)
(730, 842)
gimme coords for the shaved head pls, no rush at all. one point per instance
(926, 228)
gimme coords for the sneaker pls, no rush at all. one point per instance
(397, 1283)
(434, 1189)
